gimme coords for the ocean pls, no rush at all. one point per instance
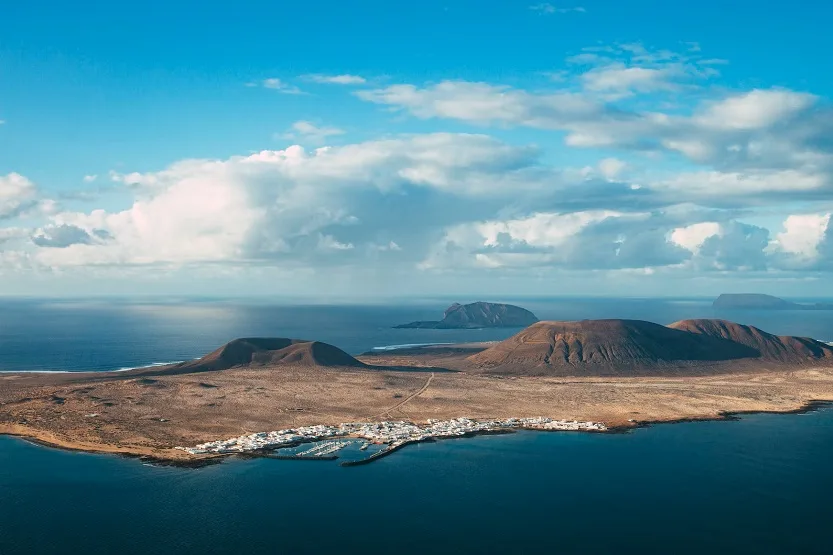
(761, 484)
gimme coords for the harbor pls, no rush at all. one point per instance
(386, 437)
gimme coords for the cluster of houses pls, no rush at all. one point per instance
(392, 433)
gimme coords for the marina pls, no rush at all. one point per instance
(389, 436)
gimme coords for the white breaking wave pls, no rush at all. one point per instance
(407, 346)
(125, 369)
(152, 364)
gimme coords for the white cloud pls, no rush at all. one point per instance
(756, 109)
(693, 236)
(612, 168)
(278, 85)
(741, 185)
(285, 203)
(311, 132)
(343, 79)
(581, 240)
(802, 235)
(483, 103)
(743, 132)
(392, 246)
(619, 78)
(541, 230)
(330, 243)
(17, 193)
(549, 9)
(12, 233)
(723, 246)
(90, 178)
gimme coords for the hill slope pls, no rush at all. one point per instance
(268, 351)
(602, 345)
(768, 346)
(479, 315)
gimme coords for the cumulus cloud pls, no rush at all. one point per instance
(680, 171)
(801, 237)
(581, 240)
(693, 236)
(736, 246)
(440, 201)
(757, 109)
(17, 193)
(276, 204)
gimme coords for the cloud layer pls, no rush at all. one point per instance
(684, 178)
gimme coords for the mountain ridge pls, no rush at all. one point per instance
(613, 346)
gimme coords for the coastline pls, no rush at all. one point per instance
(724, 416)
(170, 456)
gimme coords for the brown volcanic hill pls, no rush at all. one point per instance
(602, 346)
(270, 351)
(768, 346)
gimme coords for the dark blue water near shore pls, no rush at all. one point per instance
(760, 486)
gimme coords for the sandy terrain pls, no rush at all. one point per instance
(146, 414)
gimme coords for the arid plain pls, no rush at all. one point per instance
(148, 412)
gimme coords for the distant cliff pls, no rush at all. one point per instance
(479, 315)
(763, 302)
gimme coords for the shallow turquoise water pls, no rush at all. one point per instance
(760, 485)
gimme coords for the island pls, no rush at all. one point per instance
(478, 315)
(308, 400)
(756, 301)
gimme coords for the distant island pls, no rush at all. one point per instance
(274, 396)
(756, 301)
(477, 315)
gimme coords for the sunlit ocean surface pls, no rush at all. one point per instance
(760, 485)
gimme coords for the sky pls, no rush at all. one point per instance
(383, 149)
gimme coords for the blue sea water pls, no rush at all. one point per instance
(759, 485)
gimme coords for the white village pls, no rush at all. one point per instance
(392, 435)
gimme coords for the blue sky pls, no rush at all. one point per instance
(375, 148)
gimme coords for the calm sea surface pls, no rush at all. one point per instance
(760, 485)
